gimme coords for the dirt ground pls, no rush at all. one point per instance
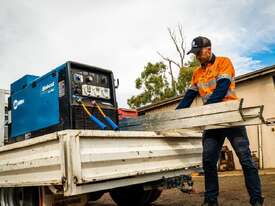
(232, 193)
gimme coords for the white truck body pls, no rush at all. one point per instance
(84, 161)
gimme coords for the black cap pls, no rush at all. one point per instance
(198, 43)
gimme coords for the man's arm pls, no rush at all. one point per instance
(224, 78)
(220, 91)
(190, 94)
(188, 98)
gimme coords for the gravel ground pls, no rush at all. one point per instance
(232, 193)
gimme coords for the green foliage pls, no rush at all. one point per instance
(185, 75)
(154, 83)
(155, 86)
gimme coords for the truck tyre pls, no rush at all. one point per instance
(155, 194)
(94, 196)
(19, 196)
(132, 195)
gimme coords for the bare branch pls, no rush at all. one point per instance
(169, 60)
(182, 43)
(174, 39)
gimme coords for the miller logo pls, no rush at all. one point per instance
(17, 103)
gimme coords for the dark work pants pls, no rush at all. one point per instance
(212, 144)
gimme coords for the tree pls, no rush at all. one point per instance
(185, 75)
(153, 82)
(179, 43)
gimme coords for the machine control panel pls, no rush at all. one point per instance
(91, 84)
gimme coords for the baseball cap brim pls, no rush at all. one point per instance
(194, 51)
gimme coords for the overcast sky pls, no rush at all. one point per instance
(37, 36)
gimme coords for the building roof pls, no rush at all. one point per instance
(127, 110)
(255, 74)
(241, 78)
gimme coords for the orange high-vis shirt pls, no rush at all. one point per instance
(204, 79)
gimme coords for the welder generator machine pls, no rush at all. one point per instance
(72, 96)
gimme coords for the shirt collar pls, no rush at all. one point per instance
(210, 61)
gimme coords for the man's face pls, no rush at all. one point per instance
(204, 55)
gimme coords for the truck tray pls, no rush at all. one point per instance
(85, 161)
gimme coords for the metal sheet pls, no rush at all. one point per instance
(224, 112)
(219, 115)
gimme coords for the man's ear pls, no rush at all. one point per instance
(209, 50)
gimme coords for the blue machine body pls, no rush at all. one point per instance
(22, 83)
(34, 103)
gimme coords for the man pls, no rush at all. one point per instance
(214, 82)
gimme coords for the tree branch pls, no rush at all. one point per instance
(174, 39)
(182, 44)
(169, 60)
